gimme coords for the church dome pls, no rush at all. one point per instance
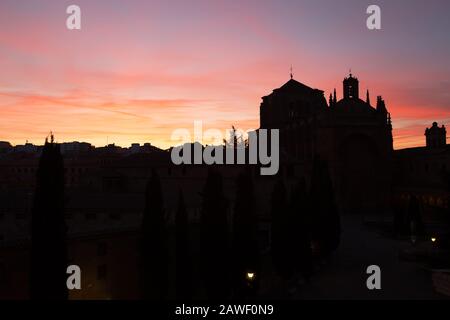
(354, 106)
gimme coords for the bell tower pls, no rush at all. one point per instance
(436, 137)
(351, 87)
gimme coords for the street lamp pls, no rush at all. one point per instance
(250, 276)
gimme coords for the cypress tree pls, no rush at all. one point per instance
(280, 244)
(214, 238)
(415, 222)
(154, 257)
(299, 230)
(446, 243)
(48, 230)
(245, 245)
(183, 261)
(326, 227)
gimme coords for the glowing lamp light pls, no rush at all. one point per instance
(433, 239)
(250, 276)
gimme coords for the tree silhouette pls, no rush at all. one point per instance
(245, 249)
(154, 257)
(446, 241)
(48, 229)
(415, 222)
(281, 244)
(399, 221)
(325, 222)
(214, 237)
(300, 220)
(183, 261)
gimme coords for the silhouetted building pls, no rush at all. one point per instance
(354, 137)
(436, 136)
(5, 147)
(351, 87)
(105, 186)
(75, 147)
(424, 172)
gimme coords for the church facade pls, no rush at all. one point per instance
(354, 137)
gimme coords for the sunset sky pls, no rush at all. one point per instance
(137, 70)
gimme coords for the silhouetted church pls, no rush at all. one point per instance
(352, 135)
(436, 137)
